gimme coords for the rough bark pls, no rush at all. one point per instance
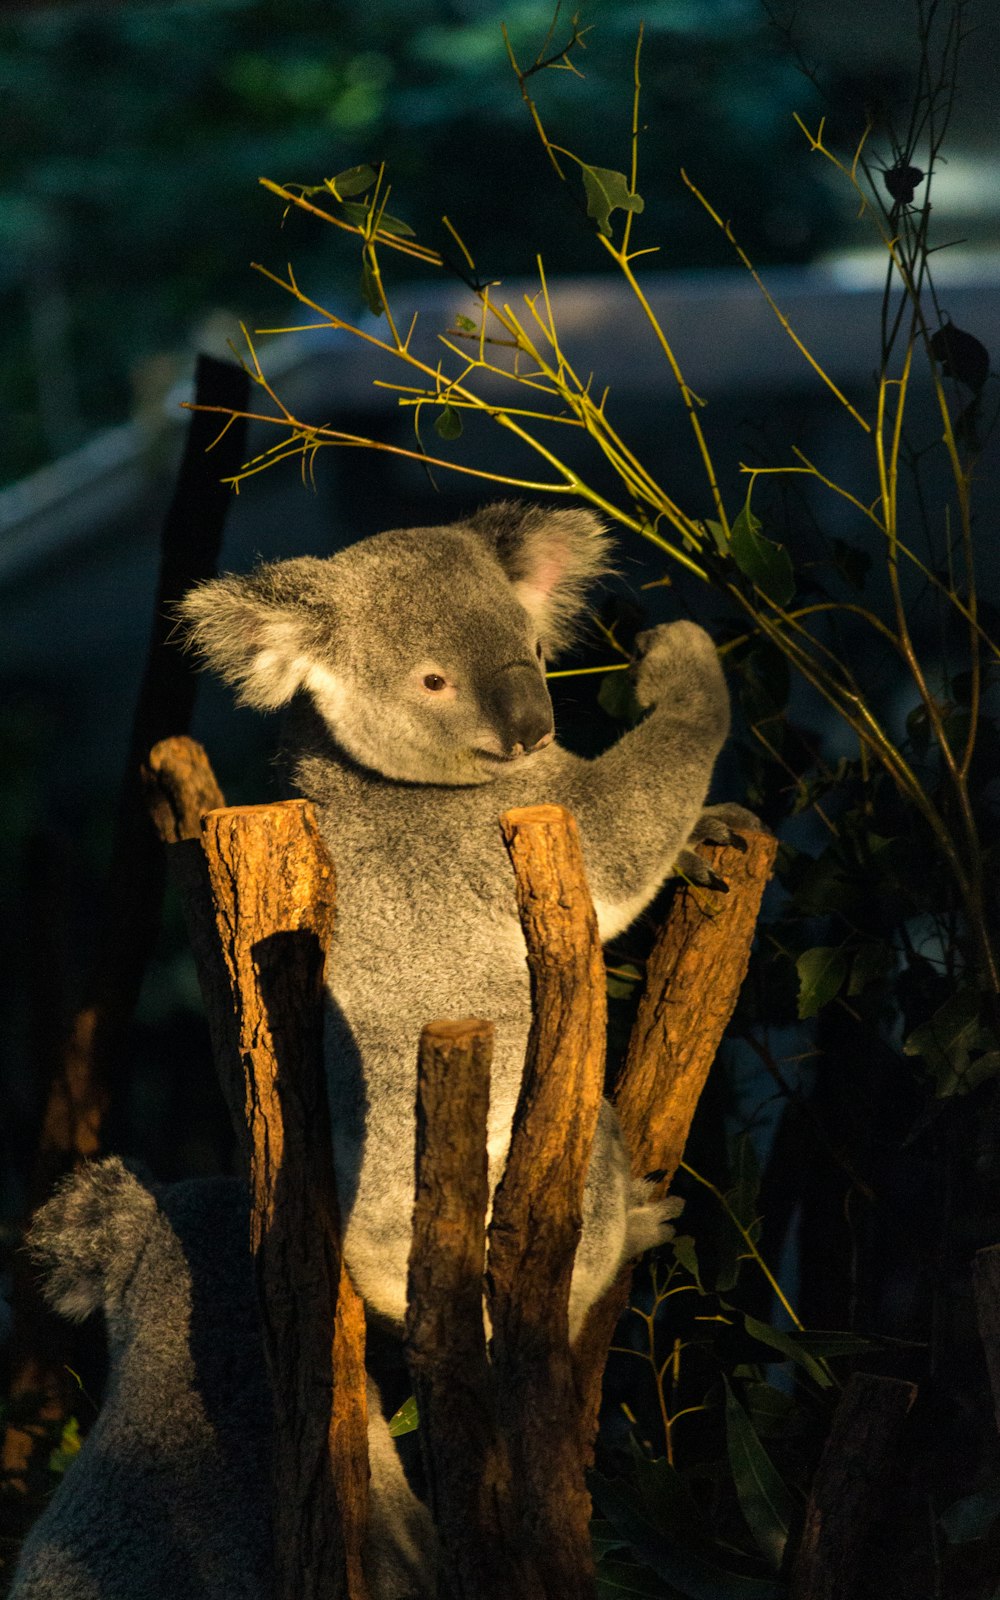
(986, 1283)
(693, 979)
(90, 1061)
(258, 896)
(849, 1486)
(538, 1205)
(467, 1461)
(273, 893)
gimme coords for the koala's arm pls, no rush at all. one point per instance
(636, 804)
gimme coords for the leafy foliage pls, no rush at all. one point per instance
(126, 218)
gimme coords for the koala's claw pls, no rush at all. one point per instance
(691, 866)
(726, 824)
(650, 1219)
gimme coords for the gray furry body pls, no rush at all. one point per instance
(414, 665)
(170, 1496)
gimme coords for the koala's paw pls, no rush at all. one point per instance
(716, 825)
(650, 1219)
(726, 824)
(676, 661)
(693, 868)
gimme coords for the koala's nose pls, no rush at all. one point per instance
(532, 735)
(523, 712)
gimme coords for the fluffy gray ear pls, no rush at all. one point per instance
(255, 631)
(90, 1235)
(551, 557)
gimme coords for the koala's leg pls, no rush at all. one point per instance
(638, 803)
(622, 1218)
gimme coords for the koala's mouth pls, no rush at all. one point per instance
(495, 758)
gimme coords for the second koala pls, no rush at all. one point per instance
(414, 665)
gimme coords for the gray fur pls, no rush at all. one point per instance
(170, 1496)
(409, 782)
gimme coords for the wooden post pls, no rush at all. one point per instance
(259, 899)
(986, 1284)
(849, 1486)
(693, 980)
(538, 1204)
(467, 1460)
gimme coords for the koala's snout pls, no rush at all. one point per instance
(521, 711)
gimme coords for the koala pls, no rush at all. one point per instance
(412, 667)
(170, 1496)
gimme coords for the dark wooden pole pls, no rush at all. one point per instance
(538, 1205)
(850, 1486)
(986, 1284)
(467, 1459)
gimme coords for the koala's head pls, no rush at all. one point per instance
(89, 1237)
(423, 650)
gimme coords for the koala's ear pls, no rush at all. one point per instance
(89, 1234)
(551, 558)
(255, 631)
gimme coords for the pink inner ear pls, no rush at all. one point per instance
(546, 573)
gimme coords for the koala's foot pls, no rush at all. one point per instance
(649, 1220)
(718, 825)
(726, 824)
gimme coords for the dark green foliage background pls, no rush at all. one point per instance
(134, 136)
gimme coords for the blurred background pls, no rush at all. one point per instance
(133, 138)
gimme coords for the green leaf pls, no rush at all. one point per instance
(771, 1411)
(67, 1448)
(618, 1580)
(621, 983)
(370, 293)
(608, 191)
(746, 1177)
(821, 971)
(789, 1347)
(718, 533)
(972, 1517)
(406, 1419)
(683, 1247)
(616, 697)
(766, 1503)
(449, 424)
(686, 1569)
(353, 180)
(667, 1500)
(730, 1244)
(947, 1043)
(872, 963)
(359, 215)
(603, 1539)
(766, 564)
(465, 324)
(832, 1343)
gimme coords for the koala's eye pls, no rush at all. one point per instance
(434, 682)
(538, 649)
